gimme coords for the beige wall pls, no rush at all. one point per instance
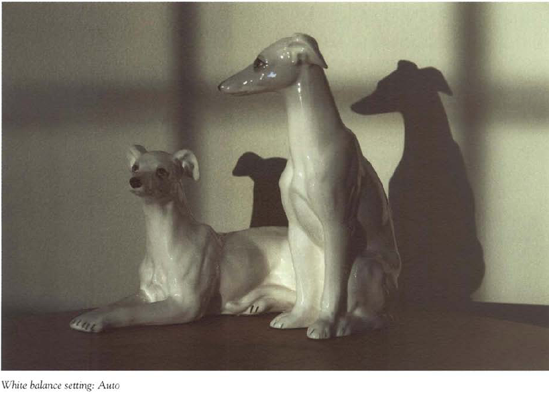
(83, 81)
(514, 212)
(80, 83)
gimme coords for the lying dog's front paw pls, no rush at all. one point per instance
(88, 322)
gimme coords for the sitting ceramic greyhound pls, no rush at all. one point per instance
(340, 228)
(189, 270)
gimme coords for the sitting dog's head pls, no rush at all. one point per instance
(276, 67)
(156, 174)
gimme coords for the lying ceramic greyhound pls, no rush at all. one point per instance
(189, 270)
(340, 226)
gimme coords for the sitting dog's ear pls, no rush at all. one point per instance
(304, 49)
(134, 153)
(188, 162)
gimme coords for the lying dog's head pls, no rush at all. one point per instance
(276, 67)
(156, 174)
(408, 85)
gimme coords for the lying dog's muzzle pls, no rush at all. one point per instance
(135, 182)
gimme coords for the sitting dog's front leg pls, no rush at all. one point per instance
(169, 311)
(307, 258)
(339, 257)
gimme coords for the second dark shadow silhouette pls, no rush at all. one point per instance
(265, 173)
(429, 192)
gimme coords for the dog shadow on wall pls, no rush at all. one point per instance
(430, 195)
(265, 173)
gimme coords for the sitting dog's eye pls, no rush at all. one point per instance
(162, 173)
(259, 63)
(135, 167)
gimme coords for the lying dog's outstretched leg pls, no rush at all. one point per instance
(169, 311)
(93, 321)
(267, 298)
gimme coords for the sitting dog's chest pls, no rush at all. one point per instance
(297, 187)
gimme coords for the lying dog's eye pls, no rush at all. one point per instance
(259, 63)
(135, 167)
(162, 173)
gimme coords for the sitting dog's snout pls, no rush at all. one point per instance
(135, 182)
(234, 85)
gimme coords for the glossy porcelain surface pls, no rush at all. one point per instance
(189, 270)
(340, 232)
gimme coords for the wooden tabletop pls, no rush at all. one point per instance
(421, 340)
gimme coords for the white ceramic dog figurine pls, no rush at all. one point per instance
(340, 228)
(189, 270)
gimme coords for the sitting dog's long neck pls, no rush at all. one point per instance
(313, 118)
(167, 220)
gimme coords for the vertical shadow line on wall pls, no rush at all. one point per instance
(472, 54)
(185, 44)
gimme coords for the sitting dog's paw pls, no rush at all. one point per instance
(292, 320)
(325, 329)
(88, 322)
(345, 325)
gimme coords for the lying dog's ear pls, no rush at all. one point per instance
(304, 49)
(188, 162)
(134, 153)
(436, 80)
